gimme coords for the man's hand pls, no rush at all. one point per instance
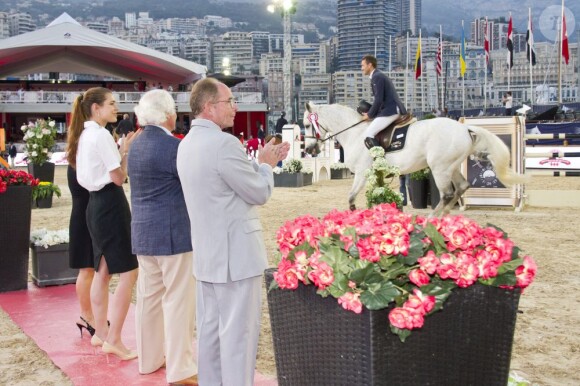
(365, 117)
(271, 153)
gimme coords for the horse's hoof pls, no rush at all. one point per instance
(353, 207)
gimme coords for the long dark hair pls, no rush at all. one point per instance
(81, 113)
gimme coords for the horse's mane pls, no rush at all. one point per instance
(345, 110)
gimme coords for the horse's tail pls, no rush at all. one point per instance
(499, 155)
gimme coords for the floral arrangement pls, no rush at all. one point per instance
(45, 189)
(44, 238)
(338, 166)
(15, 178)
(381, 257)
(377, 189)
(292, 166)
(40, 139)
(420, 175)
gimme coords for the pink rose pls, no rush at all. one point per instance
(286, 275)
(419, 277)
(525, 273)
(351, 302)
(401, 318)
(322, 275)
(429, 263)
(420, 302)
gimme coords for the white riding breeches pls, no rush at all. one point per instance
(378, 124)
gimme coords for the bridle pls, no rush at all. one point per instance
(315, 125)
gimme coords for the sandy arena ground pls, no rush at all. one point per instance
(547, 340)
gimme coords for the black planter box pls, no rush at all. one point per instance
(44, 203)
(433, 191)
(317, 342)
(292, 180)
(44, 172)
(419, 190)
(15, 214)
(50, 266)
(339, 174)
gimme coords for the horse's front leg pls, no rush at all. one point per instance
(357, 184)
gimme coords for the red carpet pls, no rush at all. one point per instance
(48, 316)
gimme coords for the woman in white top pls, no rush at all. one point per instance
(102, 169)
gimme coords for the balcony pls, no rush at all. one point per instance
(61, 101)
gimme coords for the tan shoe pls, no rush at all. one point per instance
(187, 381)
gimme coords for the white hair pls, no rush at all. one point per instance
(154, 107)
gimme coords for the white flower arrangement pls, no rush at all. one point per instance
(277, 170)
(307, 171)
(45, 238)
(292, 166)
(338, 166)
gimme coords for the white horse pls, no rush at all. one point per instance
(441, 144)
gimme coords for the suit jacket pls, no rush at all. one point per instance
(125, 126)
(386, 99)
(222, 191)
(159, 223)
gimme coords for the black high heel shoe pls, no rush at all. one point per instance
(87, 327)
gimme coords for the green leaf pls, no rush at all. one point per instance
(273, 285)
(508, 279)
(403, 333)
(378, 296)
(505, 235)
(366, 276)
(407, 260)
(339, 286)
(416, 246)
(387, 262)
(353, 251)
(509, 266)
(436, 238)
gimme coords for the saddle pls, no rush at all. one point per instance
(385, 136)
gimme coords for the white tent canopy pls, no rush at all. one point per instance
(66, 46)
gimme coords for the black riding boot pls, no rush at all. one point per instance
(371, 142)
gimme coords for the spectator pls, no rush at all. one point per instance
(223, 191)
(507, 100)
(12, 152)
(252, 146)
(281, 122)
(261, 133)
(161, 239)
(125, 126)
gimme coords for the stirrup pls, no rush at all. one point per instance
(371, 142)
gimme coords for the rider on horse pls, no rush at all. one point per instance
(386, 108)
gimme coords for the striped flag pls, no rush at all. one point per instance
(565, 49)
(510, 45)
(530, 53)
(486, 42)
(418, 67)
(462, 65)
(440, 56)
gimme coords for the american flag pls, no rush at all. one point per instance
(440, 56)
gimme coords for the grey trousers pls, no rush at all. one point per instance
(228, 326)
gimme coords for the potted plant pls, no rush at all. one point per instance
(292, 175)
(49, 256)
(15, 214)
(42, 194)
(451, 283)
(378, 190)
(419, 187)
(40, 138)
(339, 171)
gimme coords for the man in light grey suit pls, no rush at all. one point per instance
(222, 190)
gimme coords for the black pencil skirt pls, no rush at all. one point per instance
(80, 246)
(109, 222)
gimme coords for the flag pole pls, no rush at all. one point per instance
(462, 75)
(440, 92)
(511, 59)
(560, 46)
(530, 52)
(420, 77)
(407, 73)
(485, 48)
